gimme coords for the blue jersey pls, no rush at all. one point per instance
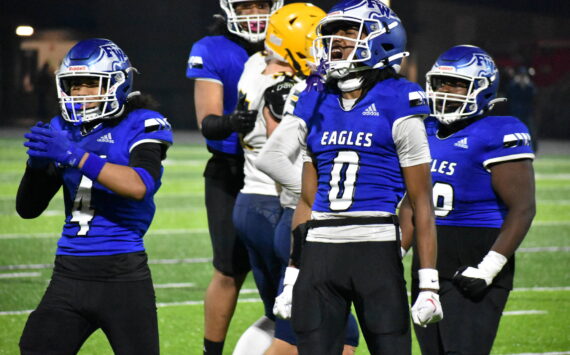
(462, 191)
(220, 59)
(99, 221)
(354, 150)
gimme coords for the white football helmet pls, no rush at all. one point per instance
(250, 27)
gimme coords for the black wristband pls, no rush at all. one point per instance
(216, 127)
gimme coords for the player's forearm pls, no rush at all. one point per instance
(302, 213)
(278, 167)
(426, 236)
(514, 229)
(406, 217)
(122, 180)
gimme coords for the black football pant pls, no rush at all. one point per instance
(71, 310)
(230, 254)
(467, 327)
(334, 276)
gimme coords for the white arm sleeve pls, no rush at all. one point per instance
(409, 134)
(278, 156)
(302, 137)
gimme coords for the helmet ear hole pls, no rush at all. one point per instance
(387, 46)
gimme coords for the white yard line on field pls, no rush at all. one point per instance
(13, 275)
(209, 259)
(192, 231)
(152, 261)
(255, 300)
(523, 313)
(175, 285)
(554, 176)
(540, 289)
(543, 249)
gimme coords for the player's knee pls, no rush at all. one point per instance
(228, 281)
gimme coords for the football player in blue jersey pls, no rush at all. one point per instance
(105, 149)
(290, 36)
(484, 200)
(365, 144)
(216, 63)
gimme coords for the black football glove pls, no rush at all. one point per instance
(242, 121)
(471, 287)
(473, 281)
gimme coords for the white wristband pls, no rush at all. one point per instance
(492, 263)
(429, 279)
(291, 274)
(403, 251)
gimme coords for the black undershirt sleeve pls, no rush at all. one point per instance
(216, 127)
(149, 157)
(37, 188)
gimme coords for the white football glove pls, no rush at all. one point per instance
(473, 281)
(427, 309)
(283, 302)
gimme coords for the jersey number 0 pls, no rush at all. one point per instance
(343, 180)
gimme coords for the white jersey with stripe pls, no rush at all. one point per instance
(251, 88)
(280, 158)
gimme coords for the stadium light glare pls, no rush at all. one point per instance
(24, 31)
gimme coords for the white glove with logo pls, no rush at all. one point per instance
(427, 308)
(283, 302)
(473, 281)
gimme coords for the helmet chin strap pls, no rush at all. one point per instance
(495, 101)
(350, 84)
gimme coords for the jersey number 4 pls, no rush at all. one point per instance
(82, 213)
(343, 180)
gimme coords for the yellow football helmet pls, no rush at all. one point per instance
(291, 32)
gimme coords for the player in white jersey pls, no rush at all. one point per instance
(257, 208)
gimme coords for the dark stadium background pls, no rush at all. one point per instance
(157, 36)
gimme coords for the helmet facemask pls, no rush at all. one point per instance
(80, 109)
(250, 27)
(451, 107)
(358, 59)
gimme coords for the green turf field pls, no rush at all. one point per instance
(538, 312)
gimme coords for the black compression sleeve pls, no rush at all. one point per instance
(216, 127)
(37, 188)
(148, 156)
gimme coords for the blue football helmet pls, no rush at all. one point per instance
(477, 69)
(380, 43)
(250, 27)
(104, 62)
